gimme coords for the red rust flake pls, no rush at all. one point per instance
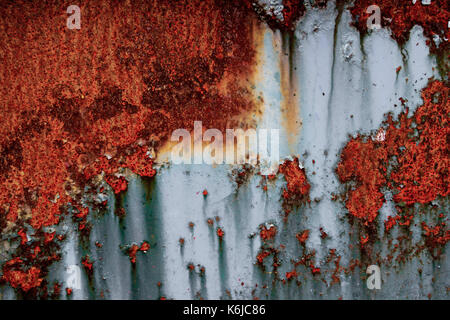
(262, 255)
(132, 251)
(314, 270)
(302, 237)
(364, 240)
(422, 174)
(23, 236)
(19, 278)
(291, 275)
(362, 161)
(87, 264)
(292, 11)
(145, 246)
(267, 234)
(297, 189)
(391, 222)
(297, 184)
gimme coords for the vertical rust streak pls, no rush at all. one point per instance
(289, 90)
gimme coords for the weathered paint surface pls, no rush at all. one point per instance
(358, 187)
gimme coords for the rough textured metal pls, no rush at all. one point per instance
(342, 84)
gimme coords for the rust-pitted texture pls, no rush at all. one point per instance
(100, 100)
(408, 157)
(297, 188)
(362, 161)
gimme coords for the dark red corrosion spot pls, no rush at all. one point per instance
(87, 264)
(268, 234)
(145, 246)
(220, 233)
(315, 270)
(133, 250)
(262, 255)
(191, 267)
(363, 161)
(323, 234)
(291, 275)
(17, 277)
(302, 237)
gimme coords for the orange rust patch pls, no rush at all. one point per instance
(363, 161)
(297, 184)
(220, 233)
(267, 234)
(297, 190)
(116, 87)
(103, 99)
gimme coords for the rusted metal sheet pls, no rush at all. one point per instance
(91, 188)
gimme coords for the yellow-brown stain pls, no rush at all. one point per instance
(290, 107)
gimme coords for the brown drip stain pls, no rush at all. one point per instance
(289, 89)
